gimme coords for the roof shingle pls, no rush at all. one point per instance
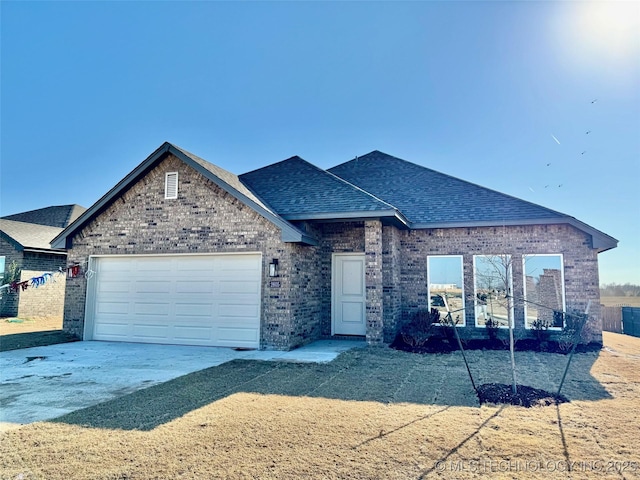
(295, 187)
(426, 196)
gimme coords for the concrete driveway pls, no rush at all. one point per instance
(41, 383)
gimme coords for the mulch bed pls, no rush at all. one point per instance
(439, 344)
(498, 393)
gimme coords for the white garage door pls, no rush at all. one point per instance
(183, 299)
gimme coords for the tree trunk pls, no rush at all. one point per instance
(514, 387)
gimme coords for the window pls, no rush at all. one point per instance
(171, 185)
(543, 290)
(445, 278)
(493, 281)
(2, 265)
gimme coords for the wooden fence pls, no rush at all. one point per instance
(612, 319)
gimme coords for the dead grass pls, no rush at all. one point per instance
(620, 301)
(17, 333)
(11, 326)
(372, 413)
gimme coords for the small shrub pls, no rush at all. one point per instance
(12, 273)
(540, 330)
(572, 331)
(418, 330)
(492, 329)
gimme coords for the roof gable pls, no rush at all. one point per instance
(222, 178)
(298, 190)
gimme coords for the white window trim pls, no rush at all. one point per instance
(524, 284)
(463, 312)
(167, 194)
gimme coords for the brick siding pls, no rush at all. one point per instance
(297, 309)
(203, 219)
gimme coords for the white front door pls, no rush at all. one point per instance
(349, 295)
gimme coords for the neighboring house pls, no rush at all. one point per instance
(181, 251)
(25, 244)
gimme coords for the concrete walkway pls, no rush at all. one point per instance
(41, 383)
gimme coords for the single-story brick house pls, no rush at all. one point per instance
(25, 244)
(182, 251)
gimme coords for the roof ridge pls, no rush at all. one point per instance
(293, 157)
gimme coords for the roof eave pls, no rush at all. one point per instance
(52, 251)
(393, 216)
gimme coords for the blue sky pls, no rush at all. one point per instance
(497, 93)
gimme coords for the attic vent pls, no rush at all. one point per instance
(171, 185)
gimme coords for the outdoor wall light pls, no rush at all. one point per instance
(273, 268)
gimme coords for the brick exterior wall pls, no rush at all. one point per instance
(373, 281)
(46, 301)
(580, 266)
(203, 219)
(8, 300)
(391, 287)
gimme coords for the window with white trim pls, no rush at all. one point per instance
(445, 276)
(2, 265)
(493, 281)
(171, 185)
(544, 299)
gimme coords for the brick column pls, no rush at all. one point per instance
(373, 281)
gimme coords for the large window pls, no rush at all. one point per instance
(543, 290)
(445, 281)
(493, 282)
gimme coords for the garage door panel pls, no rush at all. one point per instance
(239, 310)
(193, 333)
(107, 286)
(116, 265)
(191, 300)
(239, 286)
(152, 331)
(113, 330)
(155, 309)
(195, 287)
(192, 309)
(155, 265)
(113, 308)
(152, 286)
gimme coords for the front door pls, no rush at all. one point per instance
(349, 295)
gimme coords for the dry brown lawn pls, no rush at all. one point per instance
(620, 301)
(12, 326)
(24, 333)
(372, 413)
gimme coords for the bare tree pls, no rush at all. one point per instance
(497, 278)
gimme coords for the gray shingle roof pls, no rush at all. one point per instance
(426, 196)
(296, 189)
(57, 216)
(29, 235)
